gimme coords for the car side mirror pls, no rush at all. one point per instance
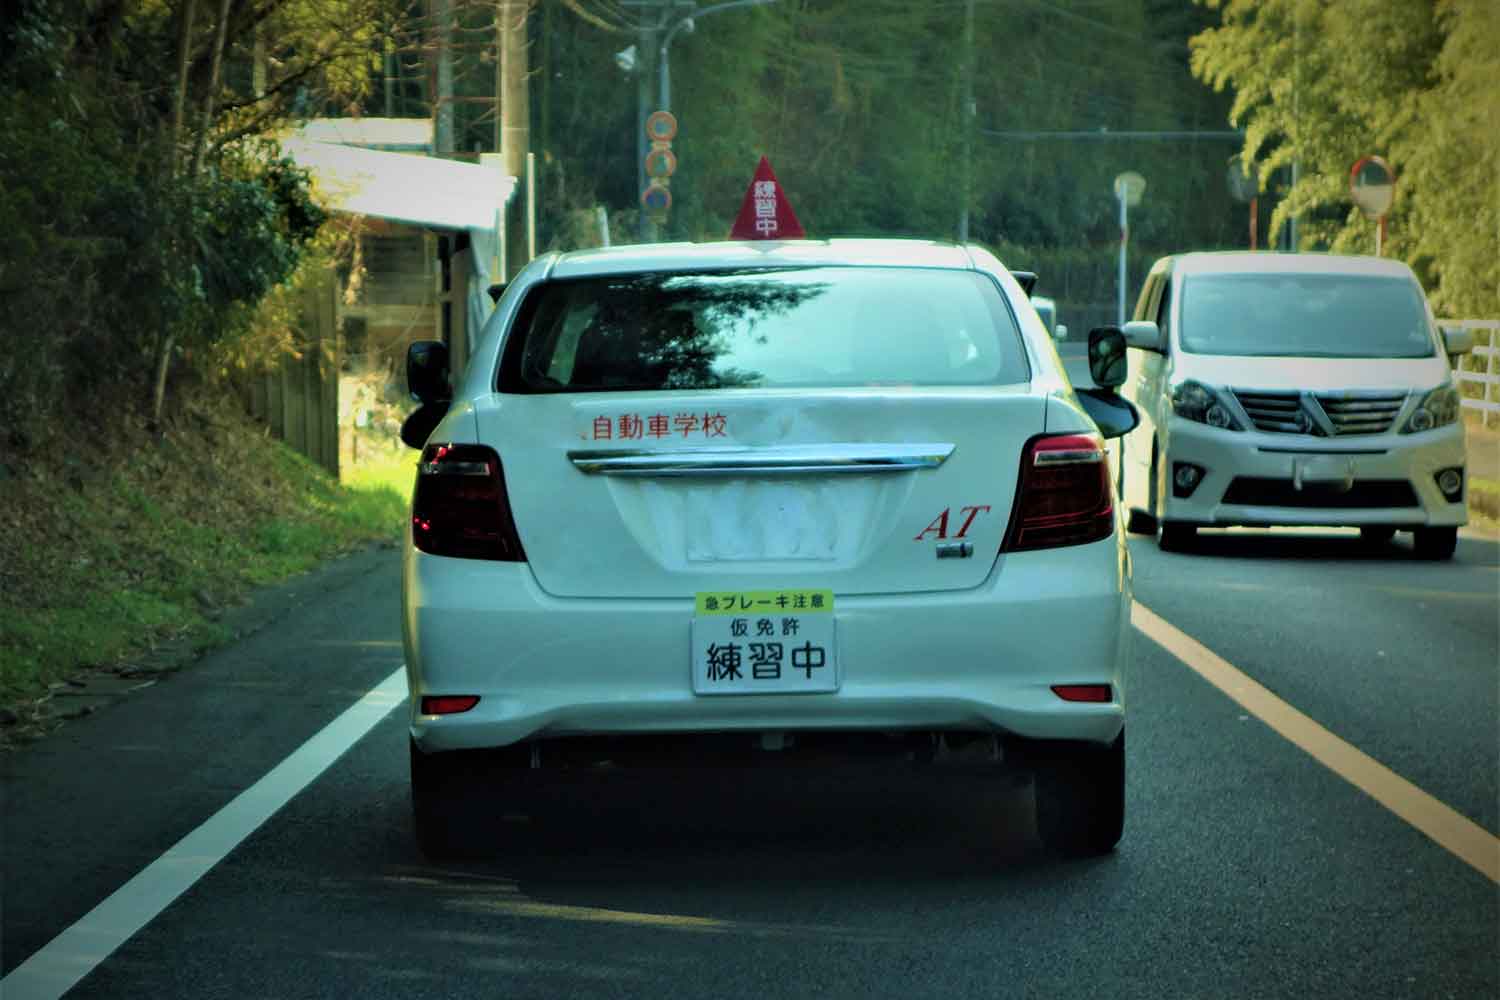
(1145, 335)
(1060, 332)
(496, 290)
(1457, 340)
(421, 422)
(1107, 357)
(1114, 415)
(1026, 279)
(427, 371)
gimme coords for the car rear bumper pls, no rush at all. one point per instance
(976, 660)
(1255, 478)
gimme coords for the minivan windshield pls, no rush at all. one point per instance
(1304, 316)
(802, 326)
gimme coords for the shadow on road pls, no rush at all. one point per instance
(698, 827)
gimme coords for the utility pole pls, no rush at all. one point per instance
(967, 123)
(514, 122)
(1296, 116)
(440, 30)
(390, 78)
(645, 52)
(258, 65)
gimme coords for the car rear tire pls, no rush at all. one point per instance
(1435, 543)
(1173, 536)
(1080, 798)
(440, 814)
(1376, 534)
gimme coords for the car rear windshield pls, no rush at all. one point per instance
(1304, 316)
(814, 327)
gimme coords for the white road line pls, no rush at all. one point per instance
(74, 953)
(1447, 827)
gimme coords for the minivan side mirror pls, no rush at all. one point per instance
(1144, 335)
(1457, 340)
(427, 371)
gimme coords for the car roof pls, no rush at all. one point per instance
(770, 253)
(1259, 262)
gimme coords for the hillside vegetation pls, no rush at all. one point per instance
(121, 538)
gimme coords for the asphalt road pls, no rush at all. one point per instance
(1248, 868)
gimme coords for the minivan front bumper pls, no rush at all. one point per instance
(1254, 478)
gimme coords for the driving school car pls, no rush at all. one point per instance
(766, 497)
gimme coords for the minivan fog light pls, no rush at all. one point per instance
(1451, 482)
(1185, 478)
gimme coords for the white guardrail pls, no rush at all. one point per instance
(1479, 366)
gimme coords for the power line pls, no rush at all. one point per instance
(1106, 135)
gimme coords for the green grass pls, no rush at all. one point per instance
(1484, 499)
(145, 547)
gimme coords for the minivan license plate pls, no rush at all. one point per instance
(764, 642)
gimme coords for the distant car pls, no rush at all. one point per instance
(1292, 389)
(760, 499)
(1047, 309)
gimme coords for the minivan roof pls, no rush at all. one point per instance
(1258, 262)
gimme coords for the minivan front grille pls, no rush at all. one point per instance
(1277, 412)
(1362, 412)
(1326, 414)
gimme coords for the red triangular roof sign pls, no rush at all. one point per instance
(765, 213)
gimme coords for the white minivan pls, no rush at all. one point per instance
(1292, 389)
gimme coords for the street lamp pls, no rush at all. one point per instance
(633, 60)
(664, 70)
(1129, 187)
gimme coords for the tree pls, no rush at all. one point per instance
(1320, 85)
(138, 164)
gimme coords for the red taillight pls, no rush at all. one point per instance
(460, 507)
(1064, 497)
(448, 704)
(1083, 692)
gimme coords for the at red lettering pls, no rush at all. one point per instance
(939, 524)
(973, 513)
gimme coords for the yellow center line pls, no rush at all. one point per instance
(1428, 593)
(1450, 829)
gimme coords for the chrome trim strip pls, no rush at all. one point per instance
(1074, 456)
(799, 459)
(1322, 452)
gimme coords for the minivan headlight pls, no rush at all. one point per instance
(1198, 402)
(1438, 408)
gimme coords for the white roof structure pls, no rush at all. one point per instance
(416, 190)
(410, 134)
(408, 188)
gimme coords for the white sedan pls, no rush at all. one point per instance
(760, 497)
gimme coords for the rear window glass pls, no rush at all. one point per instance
(826, 326)
(1304, 316)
